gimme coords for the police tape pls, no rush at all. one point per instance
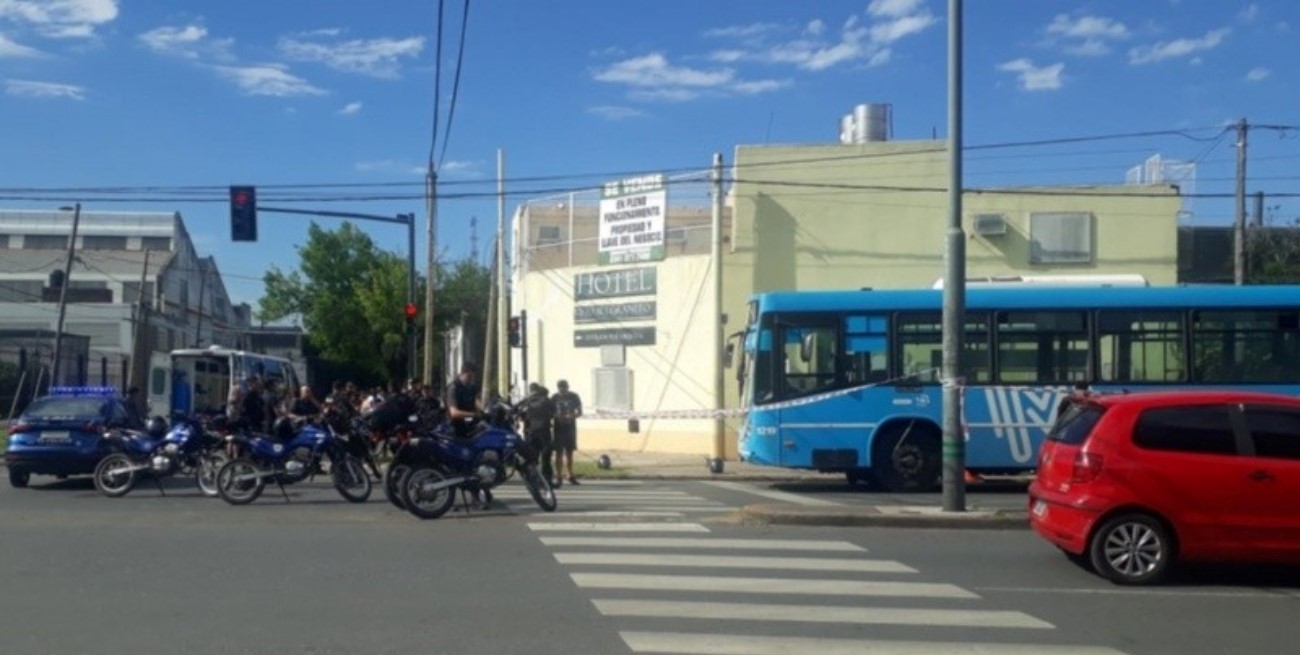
(741, 411)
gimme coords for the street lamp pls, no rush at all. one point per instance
(63, 293)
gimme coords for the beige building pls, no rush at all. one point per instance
(841, 216)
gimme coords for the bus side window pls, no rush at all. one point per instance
(866, 350)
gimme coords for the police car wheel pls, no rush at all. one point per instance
(18, 478)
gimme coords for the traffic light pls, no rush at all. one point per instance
(243, 213)
(515, 330)
(411, 311)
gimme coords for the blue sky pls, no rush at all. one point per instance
(134, 93)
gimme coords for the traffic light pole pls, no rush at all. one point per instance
(401, 219)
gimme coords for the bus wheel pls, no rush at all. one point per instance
(907, 457)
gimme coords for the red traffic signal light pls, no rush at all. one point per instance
(243, 213)
(411, 311)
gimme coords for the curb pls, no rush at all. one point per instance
(884, 517)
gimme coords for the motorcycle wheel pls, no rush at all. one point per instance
(114, 477)
(205, 474)
(539, 487)
(351, 479)
(393, 484)
(238, 492)
(422, 502)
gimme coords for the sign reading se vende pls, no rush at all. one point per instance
(632, 213)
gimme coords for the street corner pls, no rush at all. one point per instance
(881, 516)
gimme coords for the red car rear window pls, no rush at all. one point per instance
(1075, 424)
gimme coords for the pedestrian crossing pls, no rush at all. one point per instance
(673, 586)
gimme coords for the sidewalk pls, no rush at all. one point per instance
(668, 466)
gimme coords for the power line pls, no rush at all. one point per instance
(455, 85)
(437, 88)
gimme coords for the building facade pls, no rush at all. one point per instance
(136, 284)
(641, 336)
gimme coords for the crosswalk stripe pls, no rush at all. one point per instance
(717, 584)
(602, 500)
(706, 543)
(680, 609)
(620, 515)
(772, 494)
(735, 562)
(599, 493)
(680, 643)
(564, 509)
(618, 527)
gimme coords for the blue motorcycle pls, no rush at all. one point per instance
(188, 447)
(438, 463)
(292, 457)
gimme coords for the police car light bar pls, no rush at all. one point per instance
(83, 391)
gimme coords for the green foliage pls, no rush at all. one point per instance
(350, 295)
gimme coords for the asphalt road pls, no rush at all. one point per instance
(622, 567)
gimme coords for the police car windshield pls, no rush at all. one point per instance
(57, 408)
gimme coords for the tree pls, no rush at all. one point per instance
(350, 295)
(1274, 254)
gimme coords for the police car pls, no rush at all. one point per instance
(63, 433)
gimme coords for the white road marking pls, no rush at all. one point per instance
(717, 584)
(706, 543)
(598, 493)
(735, 562)
(1279, 594)
(680, 609)
(686, 643)
(623, 515)
(564, 508)
(617, 527)
(773, 494)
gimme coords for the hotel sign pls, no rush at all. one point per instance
(615, 284)
(628, 311)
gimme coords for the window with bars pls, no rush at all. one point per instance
(91, 242)
(45, 242)
(1060, 238)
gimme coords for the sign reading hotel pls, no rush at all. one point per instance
(616, 284)
(632, 215)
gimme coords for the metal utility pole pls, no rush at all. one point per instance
(503, 304)
(489, 343)
(431, 270)
(63, 296)
(411, 366)
(140, 351)
(954, 283)
(198, 325)
(719, 331)
(1259, 209)
(1239, 227)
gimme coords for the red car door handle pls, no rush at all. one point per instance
(1261, 476)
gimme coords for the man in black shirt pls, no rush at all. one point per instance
(463, 407)
(568, 407)
(539, 412)
(252, 408)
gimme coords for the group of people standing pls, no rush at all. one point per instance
(550, 421)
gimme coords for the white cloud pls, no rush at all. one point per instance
(189, 41)
(815, 27)
(29, 89)
(1034, 78)
(652, 77)
(895, 8)
(376, 57)
(1163, 50)
(1087, 36)
(898, 28)
(61, 18)
(1258, 74)
(1249, 13)
(457, 166)
(351, 109)
(653, 70)
(743, 31)
(728, 56)
(12, 49)
(268, 80)
(615, 113)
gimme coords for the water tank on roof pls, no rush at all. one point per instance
(868, 123)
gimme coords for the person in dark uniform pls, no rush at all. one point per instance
(568, 407)
(539, 413)
(252, 407)
(463, 407)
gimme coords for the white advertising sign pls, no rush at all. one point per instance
(632, 215)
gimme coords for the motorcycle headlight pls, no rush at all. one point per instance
(171, 449)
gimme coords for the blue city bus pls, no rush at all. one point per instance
(1026, 347)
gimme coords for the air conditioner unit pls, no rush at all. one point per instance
(990, 225)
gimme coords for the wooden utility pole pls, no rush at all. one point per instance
(1239, 227)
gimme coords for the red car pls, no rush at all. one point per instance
(1130, 483)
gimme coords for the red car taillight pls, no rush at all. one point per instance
(1087, 467)
(19, 427)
